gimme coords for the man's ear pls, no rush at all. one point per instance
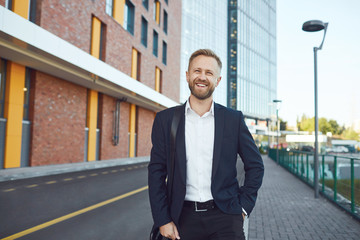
(187, 76)
(218, 81)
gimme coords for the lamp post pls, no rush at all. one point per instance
(278, 129)
(315, 26)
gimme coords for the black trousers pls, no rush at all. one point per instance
(210, 225)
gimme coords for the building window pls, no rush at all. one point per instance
(158, 79)
(133, 129)
(135, 64)
(8, 4)
(123, 12)
(102, 42)
(129, 14)
(167, 2)
(144, 31)
(26, 94)
(109, 5)
(145, 4)
(155, 43)
(157, 11)
(164, 53)
(165, 21)
(26, 9)
(98, 39)
(32, 16)
(2, 86)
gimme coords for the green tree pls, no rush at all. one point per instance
(335, 127)
(350, 134)
(283, 125)
(306, 124)
(324, 126)
(341, 130)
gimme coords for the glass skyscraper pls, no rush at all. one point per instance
(204, 25)
(256, 58)
(243, 34)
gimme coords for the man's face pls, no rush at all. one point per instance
(203, 76)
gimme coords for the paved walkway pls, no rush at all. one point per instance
(286, 209)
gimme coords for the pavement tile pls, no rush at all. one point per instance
(286, 209)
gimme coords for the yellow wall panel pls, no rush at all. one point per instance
(13, 112)
(134, 60)
(132, 129)
(132, 122)
(118, 11)
(21, 7)
(157, 79)
(157, 16)
(95, 37)
(92, 113)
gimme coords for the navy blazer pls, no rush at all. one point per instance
(232, 137)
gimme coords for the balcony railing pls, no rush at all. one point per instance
(339, 175)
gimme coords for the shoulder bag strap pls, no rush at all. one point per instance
(174, 127)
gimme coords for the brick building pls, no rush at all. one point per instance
(83, 80)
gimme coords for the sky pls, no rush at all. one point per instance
(338, 61)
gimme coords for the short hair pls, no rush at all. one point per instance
(207, 53)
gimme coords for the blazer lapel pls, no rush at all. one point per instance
(219, 130)
(180, 147)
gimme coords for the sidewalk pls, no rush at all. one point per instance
(29, 172)
(286, 209)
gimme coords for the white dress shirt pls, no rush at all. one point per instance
(199, 142)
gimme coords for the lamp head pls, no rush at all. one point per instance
(313, 26)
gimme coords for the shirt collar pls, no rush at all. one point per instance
(188, 108)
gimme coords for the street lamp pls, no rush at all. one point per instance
(278, 128)
(315, 26)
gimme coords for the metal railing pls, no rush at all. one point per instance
(339, 175)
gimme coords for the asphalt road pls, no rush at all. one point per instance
(110, 207)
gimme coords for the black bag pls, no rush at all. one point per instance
(155, 232)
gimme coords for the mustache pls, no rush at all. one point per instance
(196, 81)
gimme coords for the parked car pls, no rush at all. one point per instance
(351, 149)
(307, 148)
(337, 149)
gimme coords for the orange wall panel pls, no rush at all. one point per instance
(13, 112)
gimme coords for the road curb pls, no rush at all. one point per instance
(39, 171)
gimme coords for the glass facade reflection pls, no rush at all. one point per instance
(204, 25)
(243, 34)
(256, 57)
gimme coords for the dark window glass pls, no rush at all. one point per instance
(26, 94)
(9, 4)
(2, 86)
(100, 110)
(102, 42)
(32, 16)
(167, 2)
(144, 31)
(146, 4)
(164, 53)
(129, 15)
(138, 66)
(165, 21)
(155, 43)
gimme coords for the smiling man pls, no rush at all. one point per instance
(206, 201)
